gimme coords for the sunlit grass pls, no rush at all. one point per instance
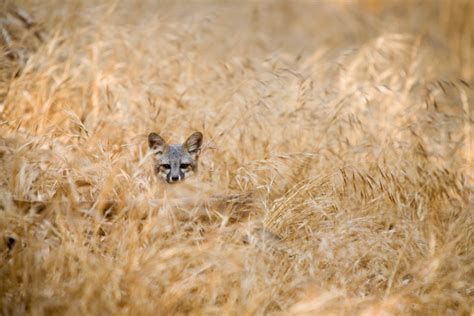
(336, 173)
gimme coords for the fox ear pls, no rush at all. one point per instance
(193, 143)
(156, 142)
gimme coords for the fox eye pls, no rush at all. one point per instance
(166, 166)
(184, 166)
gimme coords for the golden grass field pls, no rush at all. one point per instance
(336, 176)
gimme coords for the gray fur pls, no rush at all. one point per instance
(173, 162)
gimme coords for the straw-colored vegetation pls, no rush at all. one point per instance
(336, 175)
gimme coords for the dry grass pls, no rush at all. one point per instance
(336, 178)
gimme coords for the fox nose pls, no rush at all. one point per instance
(175, 178)
(175, 175)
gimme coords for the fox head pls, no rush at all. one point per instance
(174, 161)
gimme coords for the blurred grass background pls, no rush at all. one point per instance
(336, 175)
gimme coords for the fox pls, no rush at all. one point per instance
(174, 162)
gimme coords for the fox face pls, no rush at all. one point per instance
(173, 162)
